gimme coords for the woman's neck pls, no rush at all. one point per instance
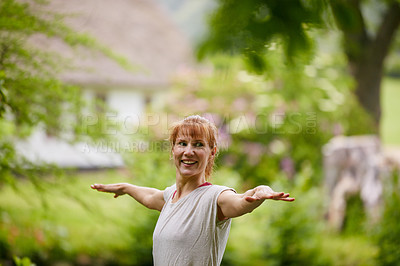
(185, 185)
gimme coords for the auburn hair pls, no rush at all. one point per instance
(197, 127)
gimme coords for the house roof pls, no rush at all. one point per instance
(139, 30)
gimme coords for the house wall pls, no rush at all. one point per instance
(130, 105)
(126, 104)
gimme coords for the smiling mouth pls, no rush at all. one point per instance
(188, 162)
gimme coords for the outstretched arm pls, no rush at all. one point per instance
(149, 197)
(232, 205)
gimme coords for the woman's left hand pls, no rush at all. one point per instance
(265, 192)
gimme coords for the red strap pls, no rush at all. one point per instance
(205, 184)
(202, 185)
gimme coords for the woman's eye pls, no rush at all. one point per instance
(181, 143)
(199, 144)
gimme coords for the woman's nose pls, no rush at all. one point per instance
(189, 150)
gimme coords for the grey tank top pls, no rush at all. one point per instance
(188, 231)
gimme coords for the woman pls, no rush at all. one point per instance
(195, 218)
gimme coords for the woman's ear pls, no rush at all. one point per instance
(214, 151)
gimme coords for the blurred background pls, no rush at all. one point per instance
(305, 95)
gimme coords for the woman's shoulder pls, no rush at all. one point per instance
(218, 189)
(172, 187)
(169, 191)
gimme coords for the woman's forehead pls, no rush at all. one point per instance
(183, 136)
(194, 131)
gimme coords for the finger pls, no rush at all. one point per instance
(286, 195)
(277, 195)
(99, 187)
(281, 195)
(116, 196)
(286, 199)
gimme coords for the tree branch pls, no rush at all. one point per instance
(350, 21)
(3, 52)
(386, 31)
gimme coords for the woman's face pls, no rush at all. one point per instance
(191, 156)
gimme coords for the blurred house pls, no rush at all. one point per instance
(138, 30)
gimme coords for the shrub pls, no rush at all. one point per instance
(388, 236)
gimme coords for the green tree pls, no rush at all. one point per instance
(31, 92)
(248, 27)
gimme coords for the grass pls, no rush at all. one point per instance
(69, 215)
(390, 123)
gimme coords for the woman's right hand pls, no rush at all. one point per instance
(118, 189)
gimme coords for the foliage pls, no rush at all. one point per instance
(272, 130)
(294, 234)
(23, 262)
(142, 164)
(31, 90)
(273, 125)
(32, 96)
(149, 154)
(348, 250)
(260, 24)
(119, 231)
(388, 235)
(297, 236)
(355, 217)
(65, 230)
